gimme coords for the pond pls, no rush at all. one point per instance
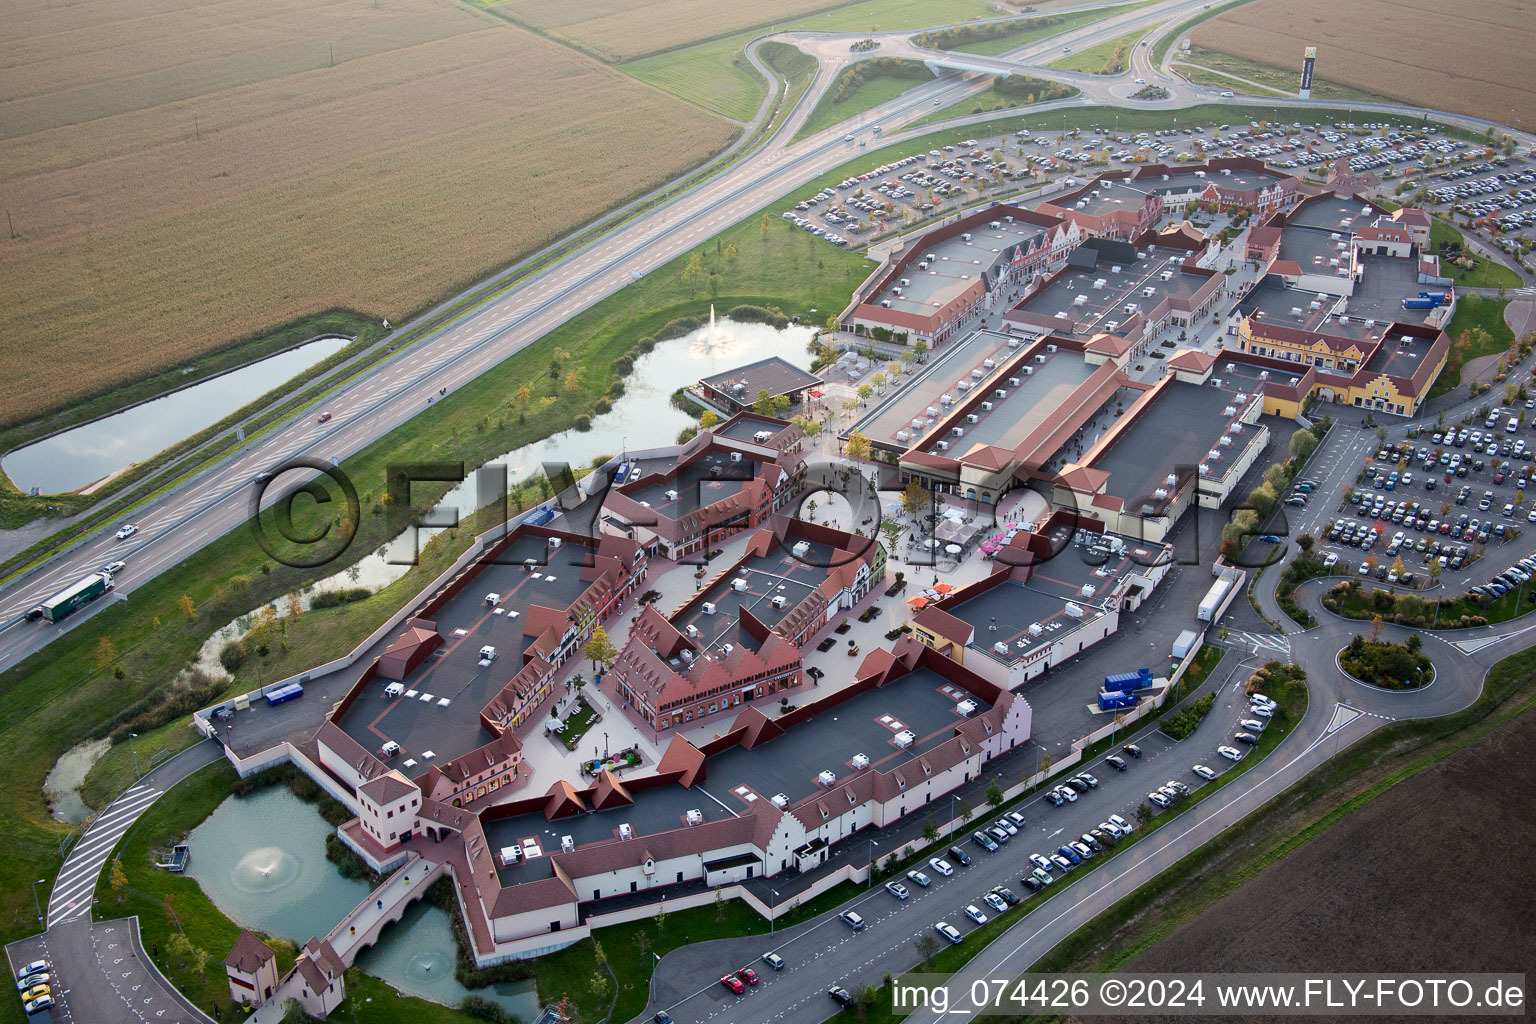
(75, 458)
(261, 860)
(643, 417)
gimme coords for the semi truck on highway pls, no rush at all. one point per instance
(72, 597)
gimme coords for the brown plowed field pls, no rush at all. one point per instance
(1433, 875)
(1471, 56)
(183, 174)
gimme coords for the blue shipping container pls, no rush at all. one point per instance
(1110, 701)
(1418, 303)
(284, 693)
(1140, 679)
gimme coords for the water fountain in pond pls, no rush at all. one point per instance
(265, 869)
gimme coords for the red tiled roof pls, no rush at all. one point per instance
(563, 801)
(682, 756)
(387, 788)
(1192, 360)
(937, 620)
(249, 954)
(609, 792)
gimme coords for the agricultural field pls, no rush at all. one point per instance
(717, 76)
(620, 30)
(1334, 904)
(1224, 71)
(1469, 57)
(182, 179)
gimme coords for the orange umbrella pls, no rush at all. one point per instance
(943, 588)
(917, 602)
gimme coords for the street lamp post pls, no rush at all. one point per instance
(773, 906)
(871, 883)
(952, 798)
(35, 901)
(135, 751)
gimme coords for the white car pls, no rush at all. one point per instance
(1040, 862)
(919, 878)
(1157, 798)
(111, 568)
(942, 866)
(1113, 831)
(973, 912)
(127, 531)
(1120, 823)
(1204, 772)
(1253, 724)
(1259, 698)
(996, 902)
(1230, 753)
(1261, 711)
(1067, 793)
(896, 889)
(949, 931)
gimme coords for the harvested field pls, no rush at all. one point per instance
(619, 30)
(181, 177)
(1470, 57)
(1429, 876)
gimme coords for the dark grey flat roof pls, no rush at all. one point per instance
(1080, 307)
(1037, 399)
(953, 363)
(694, 485)
(440, 713)
(737, 779)
(777, 574)
(775, 375)
(1385, 281)
(1176, 430)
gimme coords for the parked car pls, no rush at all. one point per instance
(1132, 749)
(840, 996)
(896, 889)
(1116, 762)
(1204, 772)
(1088, 780)
(941, 866)
(852, 920)
(1067, 793)
(973, 912)
(773, 960)
(984, 841)
(960, 856)
(1158, 798)
(996, 902)
(1230, 753)
(1007, 895)
(919, 878)
(1245, 737)
(949, 932)
(1120, 823)
(733, 983)
(747, 975)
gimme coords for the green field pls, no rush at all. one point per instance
(1167, 41)
(716, 75)
(869, 93)
(1487, 274)
(795, 66)
(1034, 29)
(1283, 80)
(992, 99)
(1111, 57)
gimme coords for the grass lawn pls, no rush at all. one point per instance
(717, 76)
(114, 772)
(1034, 29)
(870, 93)
(991, 99)
(577, 724)
(62, 695)
(1472, 311)
(1163, 45)
(1107, 58)
(1487, 273)
(795, 66)
(1286, 80)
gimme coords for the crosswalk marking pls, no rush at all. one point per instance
(76, 881)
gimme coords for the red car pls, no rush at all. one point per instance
(747, 975)
(325, 417)
(733, 983)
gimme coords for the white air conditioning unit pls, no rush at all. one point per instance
(625, 832)
(966, 708)
(901, 435)
(827, 779)
(671, 495)
(905, 738)
(1013, 382)
(567, 844)
(860, 761)
(709, 608)
(957, 431)
(971, 417)
(986, 406)
(694, 817)
(779, 800)
(964, 385)
(779, 601)
(1035, 629)
(739, 584)
(735, 456)
(1074, 610)
(1001, 647)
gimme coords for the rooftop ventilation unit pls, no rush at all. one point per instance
(1000, 393)
(966, 708)
(1013, 342)
(692, 631)
(860, 761)
(986, 406)
(957, 431)
(1039, 359)
(886, 303)
(1115, 269)
(727, 648)
(1226, 441)
(735, 456)
(1001, 647)
(671, 495)
(686, 655)
(739, 584)
(1204, 469)
(930, 257)
(1160, 494)
(995, 224)
(1050, 348)
(1166, 275)
(1100, 283)
(971, 417)
(1035, 629)
(801, 549)
(1241, 399)
(779, 601)
(1148, 292)
(905, 738)
(1088, 590)
(946, 399)
(933, 410)
(709, 608)
(1074, 610)
(827, 779)
(1213, 456)
(906, 282)
(694, 817)
(977, 374)
(990, 364)
(1080, 300)
(1263, 375)
(567, 844)
(625, 832)
(922, 265)
(966, 236)
(1028, 371)
(779, 800)
(943, 446)
(963, 385)
(1230, 410)
(1013, 382)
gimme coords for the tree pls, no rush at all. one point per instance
(599, 649)
(708, 419)
(106, 652)
(879, 380)
(858, 446)
(920, 348)
(187, 607)
(965, 810)
(930, 828)
(693, 272)
(762, 226)
(119, 880)
(719, 904)
(1305, 542)
(179, 945)
(927, 946)
(572, 381)
(833, 324)
(1375, 628)
(731, 252)
(995, 794)
(1303, 444)
(763, 405)
(1434, 569)
(1414, 643)
(200, 960)
(1144, 813)
(598, 985)
(914, 497)
(524, 394)
(865, 391)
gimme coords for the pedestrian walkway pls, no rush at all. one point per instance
(73, 889)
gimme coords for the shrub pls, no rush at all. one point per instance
(232, 655)
(1181, 723)
(336, 598)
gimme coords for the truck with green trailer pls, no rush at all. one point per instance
(72, 597)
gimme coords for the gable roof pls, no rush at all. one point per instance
(387, 788)
(249, 954)
(682, 756)
(609, 792)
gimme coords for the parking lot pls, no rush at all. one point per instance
(1462, 497)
